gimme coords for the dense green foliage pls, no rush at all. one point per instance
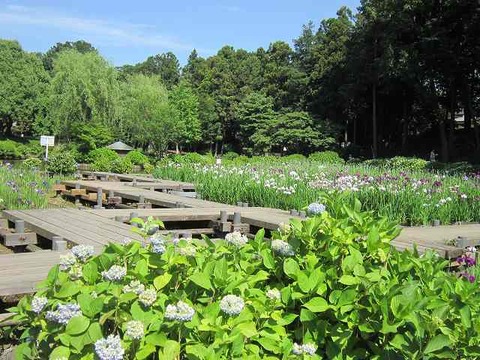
(61, 162)
(329, 287)
(405, 194)
(392, 78)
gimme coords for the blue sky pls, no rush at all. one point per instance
(127, 32)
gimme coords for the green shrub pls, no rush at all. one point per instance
(32, 163)
(102, 159)
(294, 157)
(241, 160)
(32, 149)
(334, 286)
(10, 150)
(121, 166)
(407, 164)
(231, 155)
(148, 168)
(326, 157)
(136, 157)
(61, 163)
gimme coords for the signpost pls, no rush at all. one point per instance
(47, 141)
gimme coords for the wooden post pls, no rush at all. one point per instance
(141, 199)
(237, 218)
(58, 244)
(119, 219)
(223, 216)
(245, 204)
(134, 182)
(239, 203)
(303, 214)
(111, 193)
(294, 212)
(19, 226)
(99, 199)
(77, 186)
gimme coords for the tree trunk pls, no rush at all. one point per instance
(374, 121)
(451, 123)
(405, 124)
(443, 139)
(177, 150)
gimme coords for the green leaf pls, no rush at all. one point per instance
(90, 306)
(317, 304)
(68, 290)
(248, 329)
(291, 268)
(95, 332)
(202, 280)
(145, 351)
(60, 352)
(304, 282)
(142, 267)
(436, 343)
(53, 275)
(268, 259)
(307, 315)
(349, 280)
(171, 350)
(90, 272)
(197, 350)
(269, 344)
(162, 280)
(77, 325)
(373, 240)
(466, 316)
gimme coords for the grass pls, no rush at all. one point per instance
(411, 198)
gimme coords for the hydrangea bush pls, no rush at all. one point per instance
(322, 288)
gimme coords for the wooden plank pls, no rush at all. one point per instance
(49, 230)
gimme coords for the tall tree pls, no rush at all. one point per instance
(147, 119)
(84, 89)
(23, 82)
(188, 127)
(164, 65)
(80, 45)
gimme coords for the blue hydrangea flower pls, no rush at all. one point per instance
(115, 273)
(316, 209)
(307, 349)
(282, 248)
(38, 303)
(180, 312)
(83, 252)
(109, 348)
(67, 261)
(64, 313)
(158, 244)
(232, 305)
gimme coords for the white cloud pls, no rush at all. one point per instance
(97, 31)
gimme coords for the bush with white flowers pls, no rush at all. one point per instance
(328, 288)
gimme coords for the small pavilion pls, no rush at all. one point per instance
(120, 148)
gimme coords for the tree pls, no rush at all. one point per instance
(84, 89)
(80, 45)
(22, 85)
(185, 103)
(255, 115)
(147, 119)
(164, 65)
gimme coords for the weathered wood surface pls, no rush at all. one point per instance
(20, 273)
(144, 179)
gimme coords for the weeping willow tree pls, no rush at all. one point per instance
(148, 120)
(84, 90)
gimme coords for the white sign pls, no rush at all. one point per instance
(47, 140)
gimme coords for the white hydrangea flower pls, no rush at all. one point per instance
(115, 273)
(148, 297)
(38, 303)
(67, 261)
(75, 273)
(297, 349)
(83, 252)
(283, 248)
(284, 228)
(188, 250)
(307, 349)
(232, 305)
(135, 286)
(236, 238)
(273, 294)
(64, 313)
(180, 312)
(109, 348)
(157, 242)
(135, 329)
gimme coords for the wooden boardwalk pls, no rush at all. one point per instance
(181, 214)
